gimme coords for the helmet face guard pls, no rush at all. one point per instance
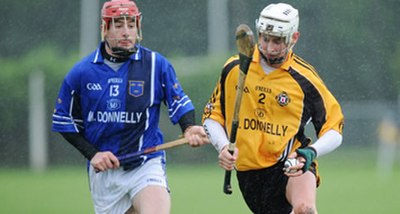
(275, 54)
(115, 11)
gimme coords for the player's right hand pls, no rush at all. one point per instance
(226, 159)
(196, 136)
(103, 161)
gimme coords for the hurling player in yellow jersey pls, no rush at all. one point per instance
(282, 94)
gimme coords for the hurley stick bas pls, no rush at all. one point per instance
(245, 44)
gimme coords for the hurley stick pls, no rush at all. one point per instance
(164, 146)
(245, 44)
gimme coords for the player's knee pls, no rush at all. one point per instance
(304, 208)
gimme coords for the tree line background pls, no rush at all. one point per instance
(353, 44)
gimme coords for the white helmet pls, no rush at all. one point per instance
(280, 20)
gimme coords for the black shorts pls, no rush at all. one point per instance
(264, 190)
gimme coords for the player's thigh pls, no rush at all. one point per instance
(152, 200)
(302, 189)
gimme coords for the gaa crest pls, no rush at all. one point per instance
(283, 99)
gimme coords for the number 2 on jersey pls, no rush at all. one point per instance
(262, 98)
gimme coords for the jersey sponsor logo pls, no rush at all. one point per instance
(283, 99)
(269, 128)
(136, 88)
(93, 86)
(263, 89)
(115, 80)
(113, 104)
(260, 113)
(114, 117)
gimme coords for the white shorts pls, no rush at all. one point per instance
(113, 190)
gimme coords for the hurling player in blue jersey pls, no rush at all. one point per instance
(109, 106)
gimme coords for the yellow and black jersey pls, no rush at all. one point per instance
(274, 109)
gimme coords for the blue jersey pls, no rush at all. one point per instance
(119, 111)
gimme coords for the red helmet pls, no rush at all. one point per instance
(120, 8)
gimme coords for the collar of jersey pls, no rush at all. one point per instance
(98, 58)
(288, 62)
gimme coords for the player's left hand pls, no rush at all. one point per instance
(308, 154)
(196, 136)
(305, 157)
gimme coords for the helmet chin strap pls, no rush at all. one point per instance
(271, 61)
(122, 52)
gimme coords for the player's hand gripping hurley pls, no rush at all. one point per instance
(127, 157)
(245, 44)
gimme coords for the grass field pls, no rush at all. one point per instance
(350, 185)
